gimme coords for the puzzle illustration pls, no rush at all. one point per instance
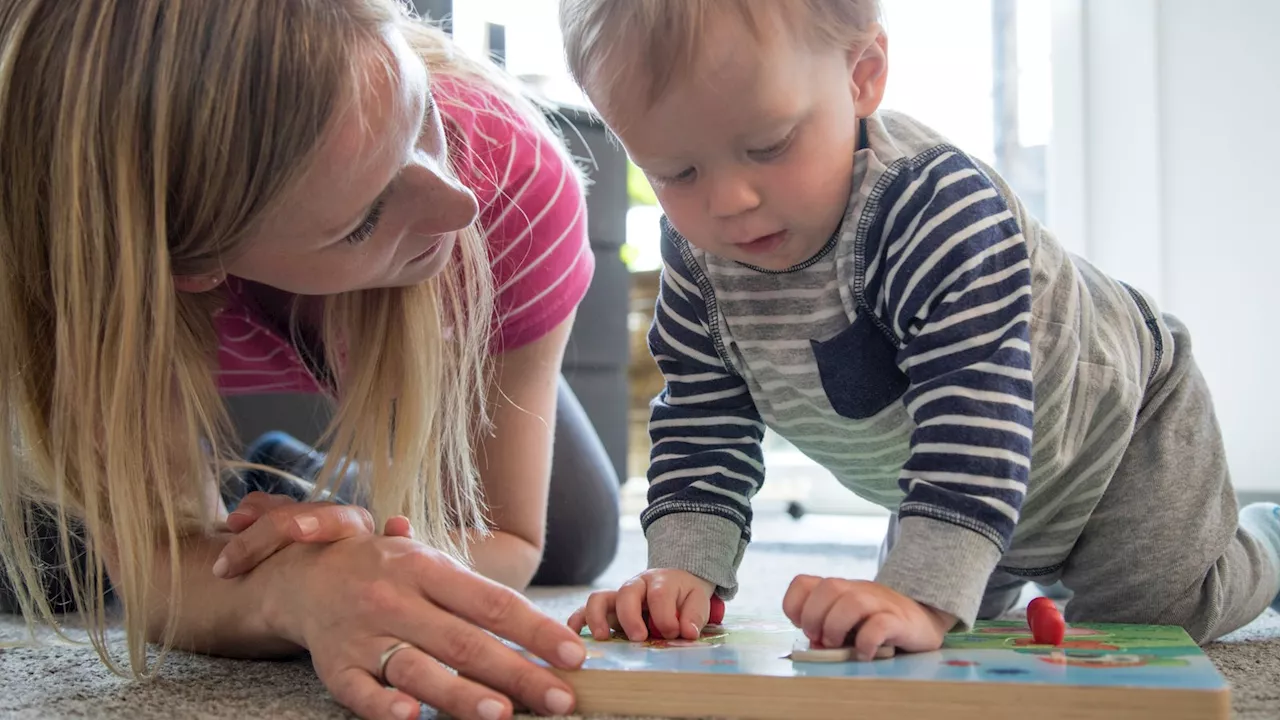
(743, 668)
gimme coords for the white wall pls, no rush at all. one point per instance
(1170, 155)
(1220, 115)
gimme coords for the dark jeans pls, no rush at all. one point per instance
(582, 507)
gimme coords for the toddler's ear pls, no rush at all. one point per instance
(868, 73)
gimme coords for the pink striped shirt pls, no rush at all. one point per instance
(532, 210)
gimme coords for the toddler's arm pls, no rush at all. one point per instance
(955, 287)
(706, 462)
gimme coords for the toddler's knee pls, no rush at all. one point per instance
(1199, 620)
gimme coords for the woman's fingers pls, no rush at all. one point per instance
(253, 506)
(414, 672)
(398, 526)
(460, 626)
(286, 524)
(356, 689)
(480, 657)
(498, 609)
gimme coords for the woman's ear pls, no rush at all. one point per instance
(868, 74)
(197, 283)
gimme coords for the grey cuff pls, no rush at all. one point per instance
(705, 545)
(941, 565)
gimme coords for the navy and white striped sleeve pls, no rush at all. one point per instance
(706, 461)
(955, 285)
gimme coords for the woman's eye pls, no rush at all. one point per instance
(365, 231)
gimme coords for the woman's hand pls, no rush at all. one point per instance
(266, 523)
(351, 601)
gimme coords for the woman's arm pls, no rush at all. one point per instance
(515, 457)
(229, 618)
(213, 615)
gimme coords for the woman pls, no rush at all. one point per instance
(186, 185)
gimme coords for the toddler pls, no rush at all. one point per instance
(846, 277)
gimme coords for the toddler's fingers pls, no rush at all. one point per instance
(664, 611)
(694, 609)
(614, 623)
(821, 600)
(849, 610)
(599, 605)
(797, 595)
(577, 620)
(630, 609)
(875, 632)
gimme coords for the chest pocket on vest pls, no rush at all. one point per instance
(859, 370)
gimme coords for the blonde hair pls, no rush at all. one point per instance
(143, 140)
(660, 41)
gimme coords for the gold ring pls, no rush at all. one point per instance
(386, 657)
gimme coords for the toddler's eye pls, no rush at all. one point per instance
(684, 176)
(775, 149)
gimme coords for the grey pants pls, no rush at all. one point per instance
(1163, 546)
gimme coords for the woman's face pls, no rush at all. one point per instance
(380, 207)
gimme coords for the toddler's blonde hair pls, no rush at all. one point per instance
(639, 47)
(143, 139)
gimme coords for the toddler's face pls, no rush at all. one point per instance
(751, 154)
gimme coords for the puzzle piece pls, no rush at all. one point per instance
(802, 653)
(1046, 622)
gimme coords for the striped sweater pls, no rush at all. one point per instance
(941, 356)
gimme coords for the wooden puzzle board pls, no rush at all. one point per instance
(742, 669)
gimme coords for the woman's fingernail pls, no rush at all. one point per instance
(405, 710)
(490, 709)
(220, 567)
(559, 702)
(307, 524)
(572, 653)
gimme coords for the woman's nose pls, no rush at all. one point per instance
(443, 204)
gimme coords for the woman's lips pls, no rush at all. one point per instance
(431, 250)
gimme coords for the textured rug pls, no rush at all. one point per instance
(56, 680)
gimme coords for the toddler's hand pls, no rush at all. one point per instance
(678, 605)
(830, 610)
(266, 523)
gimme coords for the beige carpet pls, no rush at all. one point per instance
(58, 681)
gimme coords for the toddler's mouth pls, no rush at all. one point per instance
(765, 244)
